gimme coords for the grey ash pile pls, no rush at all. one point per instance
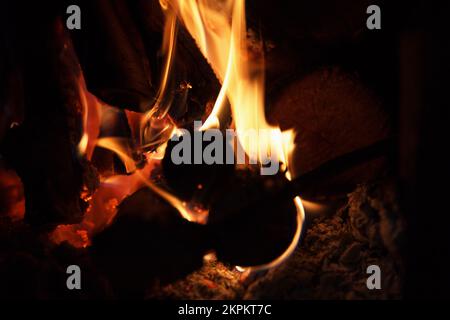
(330, 262)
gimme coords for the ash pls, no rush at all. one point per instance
(329, 263)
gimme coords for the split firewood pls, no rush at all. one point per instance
(332, 114)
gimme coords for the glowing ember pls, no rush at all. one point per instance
(12, 202)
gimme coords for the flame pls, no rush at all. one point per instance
(91, 109)
(168, 49)
(155, 128)
(102, 208)
(219, 29)
(113, 190)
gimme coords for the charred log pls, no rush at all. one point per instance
(112, 55)
(43, 148)
(254, 222)
(148, 241)
(190, 67)
(191, 181)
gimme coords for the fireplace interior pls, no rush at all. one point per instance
(354, 119)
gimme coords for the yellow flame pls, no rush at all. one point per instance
(287, 253)
(91, 112)
(219, 29)
(168, 48)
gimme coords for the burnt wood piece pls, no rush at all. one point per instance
(189, 65)
(114, 124)
(254, 221)
(147, 243)
(43, 150)
(315, 179)
(200, 183)
(34, 268)
(112, 55)
(332, 112)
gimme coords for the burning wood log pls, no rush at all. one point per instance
(254, 222)
(112, 55)
(43, 148)
(115, 125)
(196, 182)
(189, 70)
(148, 241)
(336, 115)
(320, 176)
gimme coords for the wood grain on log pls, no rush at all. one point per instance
(332, 114)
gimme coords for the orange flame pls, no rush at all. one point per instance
(219, 29)
(91, 120)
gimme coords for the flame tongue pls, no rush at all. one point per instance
(219, 30)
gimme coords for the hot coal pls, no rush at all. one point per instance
(147, 241)
(254, 221)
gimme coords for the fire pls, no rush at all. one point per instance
(219, 29)
(91, 120)
(220, 32)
